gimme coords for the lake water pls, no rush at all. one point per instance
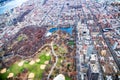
(10, 5)
(67, 30)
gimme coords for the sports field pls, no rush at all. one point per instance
(35, 67)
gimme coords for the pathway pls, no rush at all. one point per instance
(54, 63)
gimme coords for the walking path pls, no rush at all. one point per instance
(53, 52)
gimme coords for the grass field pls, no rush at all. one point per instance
(71, 43)
(67, 78)
(35, 68)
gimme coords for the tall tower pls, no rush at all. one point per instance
(93, 72)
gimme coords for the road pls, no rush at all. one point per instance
(54, 65)
(109, 46)
(44, 17)
(111, 50)
(59, 14)
(78, 47)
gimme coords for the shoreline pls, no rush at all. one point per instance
(11, 5)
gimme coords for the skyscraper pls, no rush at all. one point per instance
(93, 72)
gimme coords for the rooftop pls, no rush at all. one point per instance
(94, 68)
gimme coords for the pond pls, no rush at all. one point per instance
(66, 29)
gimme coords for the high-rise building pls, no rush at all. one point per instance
(93, 72)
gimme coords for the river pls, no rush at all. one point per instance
(10, 5)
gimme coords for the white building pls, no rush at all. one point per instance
(59, 77)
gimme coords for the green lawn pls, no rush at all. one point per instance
(35, 68)
(14, 69)
(19, 38)
(54, 46)
(67, 78)
(71, 43)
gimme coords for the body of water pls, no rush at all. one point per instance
(67, 30)
(10, 5)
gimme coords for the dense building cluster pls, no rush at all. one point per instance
(61, 39)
